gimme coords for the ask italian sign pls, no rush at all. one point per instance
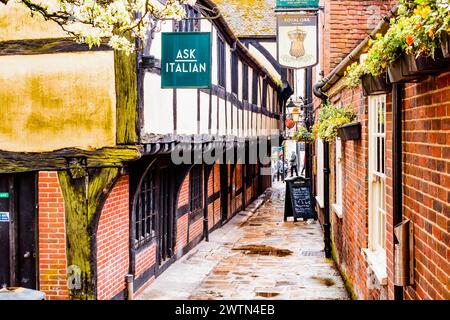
(297, 3)
(186, 60)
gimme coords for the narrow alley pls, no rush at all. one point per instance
(254, 256)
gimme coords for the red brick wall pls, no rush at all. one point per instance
(145, 258)
(113, 241)
(182, 222)
(195, 229)
(426, 187)
(52, 237)
(426, 179)
(350, 232)
(347, 23)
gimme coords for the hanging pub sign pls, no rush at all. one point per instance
(297, 3)
(297, 40)
(186, 60)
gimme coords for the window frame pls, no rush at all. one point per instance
(255, 81)
(147, 199)
(264, 97)
(234, 72)
(376, 251)
(221, 62)
(338, 204)
(196, 188)
(245, 79)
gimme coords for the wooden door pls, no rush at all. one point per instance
(18, 217)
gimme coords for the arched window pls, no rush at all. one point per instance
(146, 210)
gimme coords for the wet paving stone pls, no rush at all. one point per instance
(241, 261)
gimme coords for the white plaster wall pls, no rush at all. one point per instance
(204, 113)
(186, 111)
(158, 111)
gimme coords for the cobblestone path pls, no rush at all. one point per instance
(255, 256)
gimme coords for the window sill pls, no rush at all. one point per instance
(377, 262)
(319, 201)
(338, 210)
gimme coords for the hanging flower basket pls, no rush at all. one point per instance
(351, 131)
(376, 85)
(445, 45)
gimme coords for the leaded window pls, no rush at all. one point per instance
(146, 210)
(195, 188)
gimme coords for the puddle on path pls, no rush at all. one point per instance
(267, 294)
(264, 250)
(326, 281)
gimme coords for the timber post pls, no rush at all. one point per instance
(84, 197)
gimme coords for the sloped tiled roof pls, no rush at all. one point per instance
(249, 17)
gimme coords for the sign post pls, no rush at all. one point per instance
(186, 60)
(298, 202)
(298, 39)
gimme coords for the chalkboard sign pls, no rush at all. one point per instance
(298, 202)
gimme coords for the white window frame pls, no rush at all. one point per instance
(376, 252)
(319, 176)
(338, 205)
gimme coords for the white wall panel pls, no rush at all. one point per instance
(186, 111)
(204, 112)
(158, 115)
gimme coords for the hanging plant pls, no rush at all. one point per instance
(417, 30)
(330, 119)
(303, 135)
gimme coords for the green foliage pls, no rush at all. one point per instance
(303, 135)
(330, 119)
(90, 21)
(417, 30)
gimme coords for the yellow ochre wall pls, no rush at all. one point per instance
(54, 101)
(16, 23)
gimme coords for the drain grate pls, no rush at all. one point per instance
(320, 253)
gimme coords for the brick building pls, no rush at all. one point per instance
(369, 192)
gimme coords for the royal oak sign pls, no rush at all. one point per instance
(186, 60)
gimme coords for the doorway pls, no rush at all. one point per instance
(165, 233)
(18, 230)
(154, 214)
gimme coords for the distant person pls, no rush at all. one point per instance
(304, 164)
(294, 164)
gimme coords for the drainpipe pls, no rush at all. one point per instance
(129, 286)
(397, 158)
(206, 202)
(317, 89)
